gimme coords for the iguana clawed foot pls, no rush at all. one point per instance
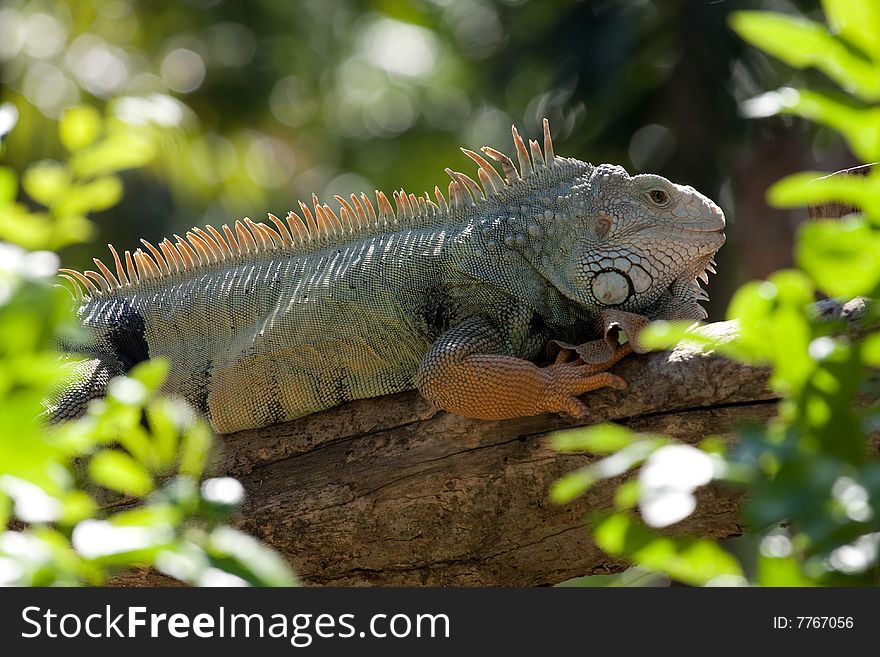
(458, 378)
(583, 367)
(569, 379)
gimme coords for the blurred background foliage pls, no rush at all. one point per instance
(811, 475)
(123, 119)
(254, 105)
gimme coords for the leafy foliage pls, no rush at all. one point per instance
(813, 487)
(122, 485)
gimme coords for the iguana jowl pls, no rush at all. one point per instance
(454, 295)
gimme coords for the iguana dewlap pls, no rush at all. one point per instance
(455, 295)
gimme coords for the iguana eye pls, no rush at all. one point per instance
(659, 196)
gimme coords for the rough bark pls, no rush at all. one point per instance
(392, 491)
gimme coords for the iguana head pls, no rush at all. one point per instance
(641, 243)
(602, 238)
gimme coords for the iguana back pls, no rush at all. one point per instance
(263, 324)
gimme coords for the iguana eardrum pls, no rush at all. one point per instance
(454, 295)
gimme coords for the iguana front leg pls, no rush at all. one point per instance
(464, 372)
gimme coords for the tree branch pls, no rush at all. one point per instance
(392, 491)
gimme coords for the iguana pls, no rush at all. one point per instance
(454, 295)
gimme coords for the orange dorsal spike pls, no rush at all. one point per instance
(108, 275)
(283, 232)
(120, 271)
(160, 259)
(525, 163)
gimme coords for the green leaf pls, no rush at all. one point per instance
(8, 119)
(598, 439)
(802, 43)
(195, 446)
(76, 506)
(790, 334)
(860, 126)
(573, 485)
(627, 494)
(692, 561)
(242, 555)
(662, 334)
(871, 350)
(104, 543)
(146, 516)
(814, 187)
(124, 150)
(93, 196)
(32, 230)
(151, 373)
(781, 571)
(71, 229)
(117, 471)
(46, 182)
(772, 323)
(162, 417)
(842, 256)
(752, 305)
(8, 185)
(79, 126)
(857, 21)
(5, 509)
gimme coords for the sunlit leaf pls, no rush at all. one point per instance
(76, 506)
(781, 571)
(790, 333)
(663, 334)
(71, 229)
(79, 126)
(93, 196)
(752, 304)
(713, 445)
(572, 485)
(117, 471)
(46, 182)
(871, 350)
(106, 543)
(813, 188)
(692, 561)
(243, 555)
(597, 439)
(843, 256)
(32, 230)
(8, 185)
(802, 43)
(164, 427)
(154, 514)
(194, 450)
(116, 152)
(8, 118)
(858, 21)
(627, 494)
(151, 373)
(5, 509)
(859, 125)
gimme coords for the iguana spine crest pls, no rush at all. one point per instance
(318, 226)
